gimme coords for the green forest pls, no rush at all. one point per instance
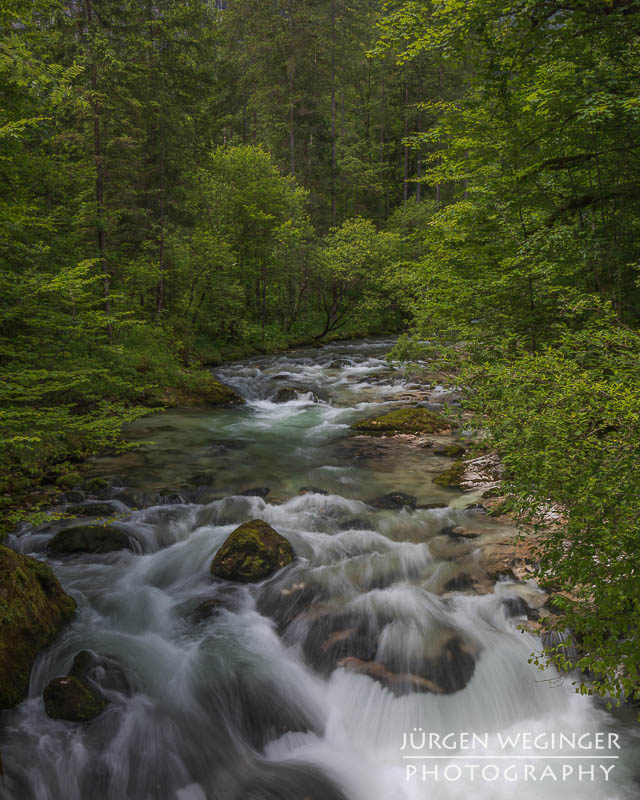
(186, 182)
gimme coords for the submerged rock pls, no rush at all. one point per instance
(312, 490)
(252, 552)
(394, 501)
(446, 672)
(71, 699)
(355, 524)
(33, 609)
(100, 672)
(404, 420)
(90, 539)
(259, 491)
(283, 781)
(285, 394)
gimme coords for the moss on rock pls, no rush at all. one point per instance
(90, 539)
(69, 480)
(252, 552)
(449, 450)
(404, 420)
(195, 389)
(452, 477)
(97, 484)
(33, 609)
(70, 699)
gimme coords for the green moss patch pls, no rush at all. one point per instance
(69, 480)
(196, 389)
(452, 477)
(97, 484)
(251, 553)
(33, 609)
(404, 420)
(449, 450)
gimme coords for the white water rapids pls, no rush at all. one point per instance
(221, 691)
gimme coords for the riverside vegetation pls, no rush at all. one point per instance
(188, 183)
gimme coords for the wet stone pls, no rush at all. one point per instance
(394, 501)
(100, 672)
(459, 583)
(70, 699)
(201, 479)
(252, 552)
(355, 524)
(446, 672)
(515, 606)
(285, 395)
(260, 491)
(90, 539)
(91, 510)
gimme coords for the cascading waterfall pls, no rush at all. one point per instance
(305, 685)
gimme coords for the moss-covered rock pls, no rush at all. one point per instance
(215, 393)
(404, 420)
(195, 389)
(97, 484)
(33, 609)
(252, 552)
(70, 699)
(69, 480)
(449, 450)
(90, 539)
(452, 477)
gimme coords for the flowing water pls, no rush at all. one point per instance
(306, 686)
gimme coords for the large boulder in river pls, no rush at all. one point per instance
(71, 699)
(90, 539)
(404, 420)
(33, 609)
(252, 552)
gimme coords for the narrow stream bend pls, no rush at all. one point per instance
(304, 686)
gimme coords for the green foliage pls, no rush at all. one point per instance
(529, 281)
(354, 262)
(566, 421)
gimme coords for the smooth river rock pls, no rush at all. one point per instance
(90, 539)
(71, 699)
(252, 552)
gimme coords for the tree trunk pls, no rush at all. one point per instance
(333, 112)
(99, 172)
(405, 182)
